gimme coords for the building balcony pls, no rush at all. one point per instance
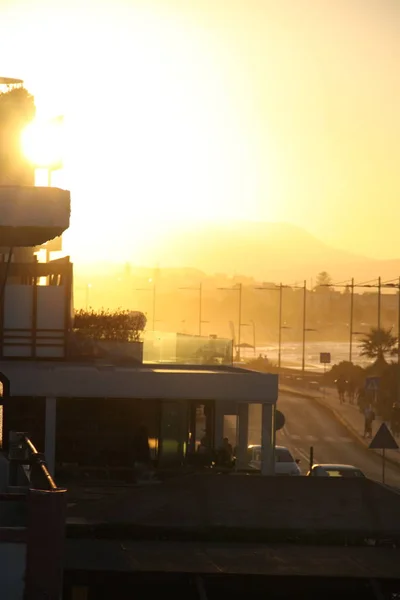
(30, 216)
(36, 309)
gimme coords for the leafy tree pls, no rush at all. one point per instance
(348, 371)
(17, 109)
(378, 343)
(323, 282)
(104, 325)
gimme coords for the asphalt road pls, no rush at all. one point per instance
(309, 424)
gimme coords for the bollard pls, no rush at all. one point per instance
(45, 544)
(311, 457)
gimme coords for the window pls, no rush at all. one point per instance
(283, 455)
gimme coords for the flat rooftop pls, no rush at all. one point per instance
(101, 379)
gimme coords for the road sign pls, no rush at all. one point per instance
(383, 439)
(325, 358)
(279, 420)
(372, 384)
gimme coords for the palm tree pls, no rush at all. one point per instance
(378, 343)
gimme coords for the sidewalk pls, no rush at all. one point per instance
(348, 414)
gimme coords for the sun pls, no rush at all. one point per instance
(42, 143)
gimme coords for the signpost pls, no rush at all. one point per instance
(383, 440)
(325, 359)
(372, 384)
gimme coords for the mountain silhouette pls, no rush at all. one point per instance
(266, 251)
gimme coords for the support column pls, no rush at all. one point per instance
(45, 544)
(243, 435)
(218, 425)
(50, 434)
(267, 440)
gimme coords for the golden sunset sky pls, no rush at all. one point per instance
(275, 110)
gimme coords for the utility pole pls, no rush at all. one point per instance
(280, 326)
(254, 337)
(240, 319)
(398, 326)
(200, 306)
(200, 318)
(351, 319)
(379, 302)
(398, 343)
(237, 288)
(303, 360)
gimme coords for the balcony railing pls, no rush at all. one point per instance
(22, 453)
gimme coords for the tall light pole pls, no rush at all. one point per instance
(254, 335)
(351, 319)
(280, 326)
(305, 329)
(303, 359)
(398, 329)
(365, 284)
(200, 290)
(237, 288)
(251, 322)
(379, 302)
(153, 289)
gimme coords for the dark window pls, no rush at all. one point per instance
(283, 455)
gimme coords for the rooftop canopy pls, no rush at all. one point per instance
(178, 382)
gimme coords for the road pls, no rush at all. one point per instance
(310, 424)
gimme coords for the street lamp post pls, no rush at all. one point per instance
(237, 288)
(351, 319)
(251, 322)
(303, 360)
(200, 290)
(280, 326)
(254, 336)
(365, 284)
(379, 302)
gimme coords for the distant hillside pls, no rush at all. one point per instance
(269, 251)
(266, 251)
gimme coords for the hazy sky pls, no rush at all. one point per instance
(278, 110)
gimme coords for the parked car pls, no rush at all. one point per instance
(285, 464)
(335, 471)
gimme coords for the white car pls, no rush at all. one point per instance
(285, 464)
(335, 471)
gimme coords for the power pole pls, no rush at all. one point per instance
(303, 361)
(379, 302)
(351, 320)
(240, 319)
(280, 326)
(200, 306)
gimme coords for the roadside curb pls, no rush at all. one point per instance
(339, 418)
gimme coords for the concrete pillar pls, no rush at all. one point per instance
(243, 436)
(50, 434)
(267, 440)
(45, 544)
(218, 425)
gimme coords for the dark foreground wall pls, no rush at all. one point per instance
(257, 505)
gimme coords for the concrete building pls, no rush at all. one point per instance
(85, 412)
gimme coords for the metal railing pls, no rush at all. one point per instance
(22, 452)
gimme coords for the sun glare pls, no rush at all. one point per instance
(42, 143)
